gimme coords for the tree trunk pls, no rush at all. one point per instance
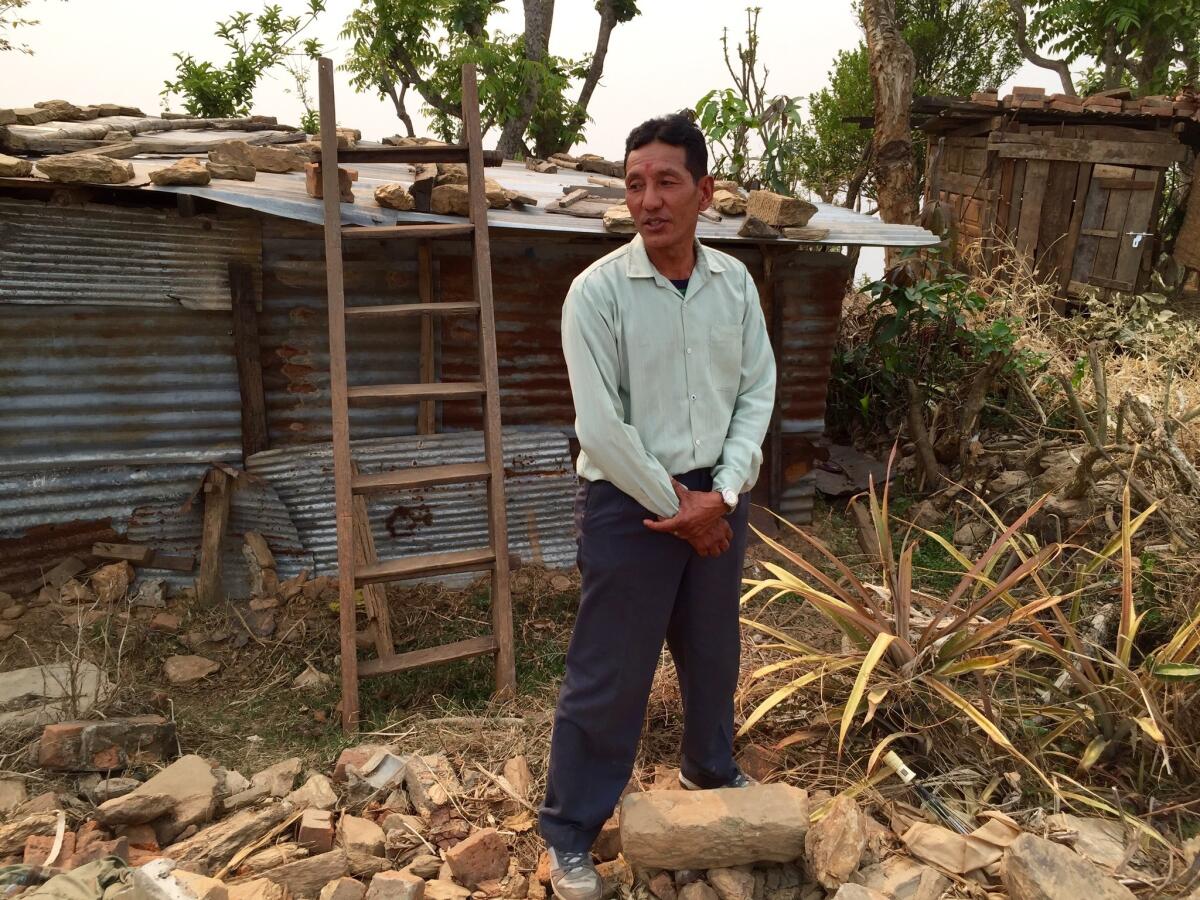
(1021, 26)
(539, 15)
(892, 71)
(608, 21)
(401, 109)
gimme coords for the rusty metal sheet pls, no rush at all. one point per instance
(105, 254)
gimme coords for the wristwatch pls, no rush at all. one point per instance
(730, 497)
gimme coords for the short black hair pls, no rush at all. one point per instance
(678, 131)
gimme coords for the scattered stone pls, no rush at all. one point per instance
(133, 809)
(725, 185)
(12, 793)
(396, 886)
(445, 890)
(316, 830)
(231, 172)
(714, 829)
(140, 837)
(662, 886)
(12, 167)
(191, 782)
(431, 783)
(212, 847)
(357, 757)
(264, 159)
(497, 196)
(778, 210)
(834, 846)
(258, 889)
(781, 883)
(732, 884)
(75, 592)
(1036, 869)
(608, 843)
(316, 793)
(728, 203)
(903, 878)
(516, 773)
(972, 533)
(14, 834)
(451, 200)
(1102, 841)
(481, 857)
(759, 762)
(7, 631)
(272, 857)
(38, 847)
(315, 188)
(187, 171)
(425, 865)
(754, 227)
(47, 802)
(111, 583)
(201, 886)
(280, 778)
(14, 612)
(358, 835)
(106, 745)
(519, 201)
(166, 623)
(394, 196)
(619, 220)
(344, 889)
(858, 892)
(151, 594)
(66, 569)
(248, 797)
(697, 890)
(186, 669)
(118, 847)
(311, 679)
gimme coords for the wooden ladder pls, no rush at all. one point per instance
(357, 565)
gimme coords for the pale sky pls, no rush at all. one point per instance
(120, 51)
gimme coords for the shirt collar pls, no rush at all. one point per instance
(639, 265)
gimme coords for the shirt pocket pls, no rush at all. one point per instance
(725, 357)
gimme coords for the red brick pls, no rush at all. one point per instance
(316, 830)
(118, 847)
(89, 833)
(356, 756)
(59, 746)
(38, 847)
(103, 746)
(481, 857)
(140, 837)
(139, 857)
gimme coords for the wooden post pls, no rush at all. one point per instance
(774, 311)
(339, 401)
(427, 414)
(506, 670)
(374, 595)
(249, 360)
(217, 490)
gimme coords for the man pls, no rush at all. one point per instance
(673, 380)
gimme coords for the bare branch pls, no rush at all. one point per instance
(1022, 34)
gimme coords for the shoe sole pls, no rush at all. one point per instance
(554, 890)
(692, 786)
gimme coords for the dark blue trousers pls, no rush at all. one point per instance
(640, 588)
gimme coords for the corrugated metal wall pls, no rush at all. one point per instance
(294, 335)
(540, 484)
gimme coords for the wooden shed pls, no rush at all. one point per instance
(1074, 187)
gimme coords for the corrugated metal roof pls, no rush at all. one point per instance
(103, 254)
(111, 384)
(540, 484)
(284, 196)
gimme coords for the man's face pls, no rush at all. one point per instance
(662, 195)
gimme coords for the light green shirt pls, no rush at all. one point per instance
(665, 383)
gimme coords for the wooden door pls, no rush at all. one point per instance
(1116, 229)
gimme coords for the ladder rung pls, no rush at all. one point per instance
(354, 232)
(452, 390)
(427, 564)
(431, 655)
(412, 309)
(452, 153)
(418, 477)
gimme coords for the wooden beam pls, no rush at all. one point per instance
(1079, 150)
(249, 359)
(374, 595)
(134, 553)
(427, 412)
(218, 488)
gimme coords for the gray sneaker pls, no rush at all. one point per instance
(573, 876)
(740, 780)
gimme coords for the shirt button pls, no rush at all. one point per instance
(693, 396)
(697, 442)
(689, 351)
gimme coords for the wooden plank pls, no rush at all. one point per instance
(572, 196)
(1074, 150)
(427, 411)
(1094, 209)
(217, 491)
(1118, 184)
(429, 153)
(427, 564)
(967, 185)
(1090, 131)
(416, 659)
(248, 355)
(1137, 221)
(374, 595)
(502, 628)
(410, 393)
(1108, 248)
(178, 562)
(1056, 217)
(134, 553)
(1100, 232)
(415, 232)
(1033, 194)
(339, 403)
(1004, 206)
(1014, 213)
(419, 477)
(1071, 246)
(413, 309)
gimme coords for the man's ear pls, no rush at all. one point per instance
(707, 185)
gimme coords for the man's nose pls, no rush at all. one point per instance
(651, 198)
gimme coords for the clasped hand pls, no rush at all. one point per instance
(700, 521)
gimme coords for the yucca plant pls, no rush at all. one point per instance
(912, 652)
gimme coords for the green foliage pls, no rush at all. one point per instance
(10, 21)
(959, 46)
(933, 330)
(256, 44)
(1151, 45)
